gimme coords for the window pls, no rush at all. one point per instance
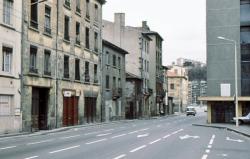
(7, 59)
(96, 42)
(67, 3)
(96, 12)
(87, 9)
(78, 6)
(47, 25)
(107, 82)
(119, 83)
(147, 66)
(171, 86)
(78, 33)
(33, 53)
(107, 58)
(5, 104)
(119, 62)
(114, 82)
(66, 67)
(114, 60)
(87, 78)
(34, 14)
(66, 28)
(7, 11)
(77, 69)
(87, 38)
(47, 65)
(95, 74)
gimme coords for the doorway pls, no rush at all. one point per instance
(70, 111)
(90, 109)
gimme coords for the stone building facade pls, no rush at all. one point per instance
(61, 72)
(113, 78)
(136, 42)
(178, 87)
(10, 66)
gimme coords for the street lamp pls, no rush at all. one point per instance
(235, 74)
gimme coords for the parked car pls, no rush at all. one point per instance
(190, 110)
(243, 119)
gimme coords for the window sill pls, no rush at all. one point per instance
(66, 41)
(65, 79)
(33, 29)
(7, 75)
(96, 24)
(78, 45)
(108, 89)
(87, 19)
(33, 74)
(86, 49)
(88, 83)
(47, 34)
(96, 84)
(47, 76)
(78, 13)
(7, 26)
(66, 6)
(78, 81)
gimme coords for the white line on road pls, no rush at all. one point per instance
(104, 134)
(207, 151)
(88, 143)
(118, 136)
(133, 132)
(121, 156)
(4, 148)
(166, 136)
(204, 156)
(209, 146)
(31, 157)
(64, 149)
(108, 130)
(91, 133)
(154, 141)
(211, 140)
(138, 148)
(39, 142)
(67, 137)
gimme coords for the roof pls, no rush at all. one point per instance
(102, 1)
(132, 76)
(220, 99)
(146, 35)
(113, 46)
(154, 33)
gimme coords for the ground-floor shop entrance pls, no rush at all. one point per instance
(223, 112)
(90, 109)
(70, 111)
(39, 108)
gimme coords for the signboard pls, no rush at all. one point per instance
(225, 89)
(67, 93)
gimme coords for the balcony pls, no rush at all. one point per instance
(116, 93)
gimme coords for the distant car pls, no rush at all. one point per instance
(243, 119)
(190, 111)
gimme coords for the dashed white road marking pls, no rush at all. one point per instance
(209, 146)
(133, 132)
(88, 143)
(104, 134)
(118, 136)
(207, 151)
(9, 147)
(138, 148)
(143, 135)
(108, 130)
(91, 133)
(68, 137)
(166, 136)
(68, 148)
(121, 156)
(154, 141)
(204, 156)
(31, 157)
(39, 142)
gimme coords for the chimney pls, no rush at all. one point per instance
(120, 19)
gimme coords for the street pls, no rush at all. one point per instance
(167, 137)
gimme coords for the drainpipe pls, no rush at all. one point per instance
(56, 71)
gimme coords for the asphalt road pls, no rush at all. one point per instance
(161, 138)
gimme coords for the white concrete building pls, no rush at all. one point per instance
(10, 65)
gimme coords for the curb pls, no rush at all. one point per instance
(223, 127)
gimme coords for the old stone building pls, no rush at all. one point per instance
(10, 66)
(113, 78)
(136, 42)
(62, 42)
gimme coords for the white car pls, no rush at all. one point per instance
(243, 119)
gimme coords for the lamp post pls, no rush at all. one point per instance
(236, 77)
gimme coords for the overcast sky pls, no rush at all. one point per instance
(182, 24)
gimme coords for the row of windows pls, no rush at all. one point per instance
(67, 22)
(66, 66)
(116, 82)
(116, 61)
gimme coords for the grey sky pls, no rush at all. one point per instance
(181, 23)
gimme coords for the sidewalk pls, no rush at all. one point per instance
(242, 129)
